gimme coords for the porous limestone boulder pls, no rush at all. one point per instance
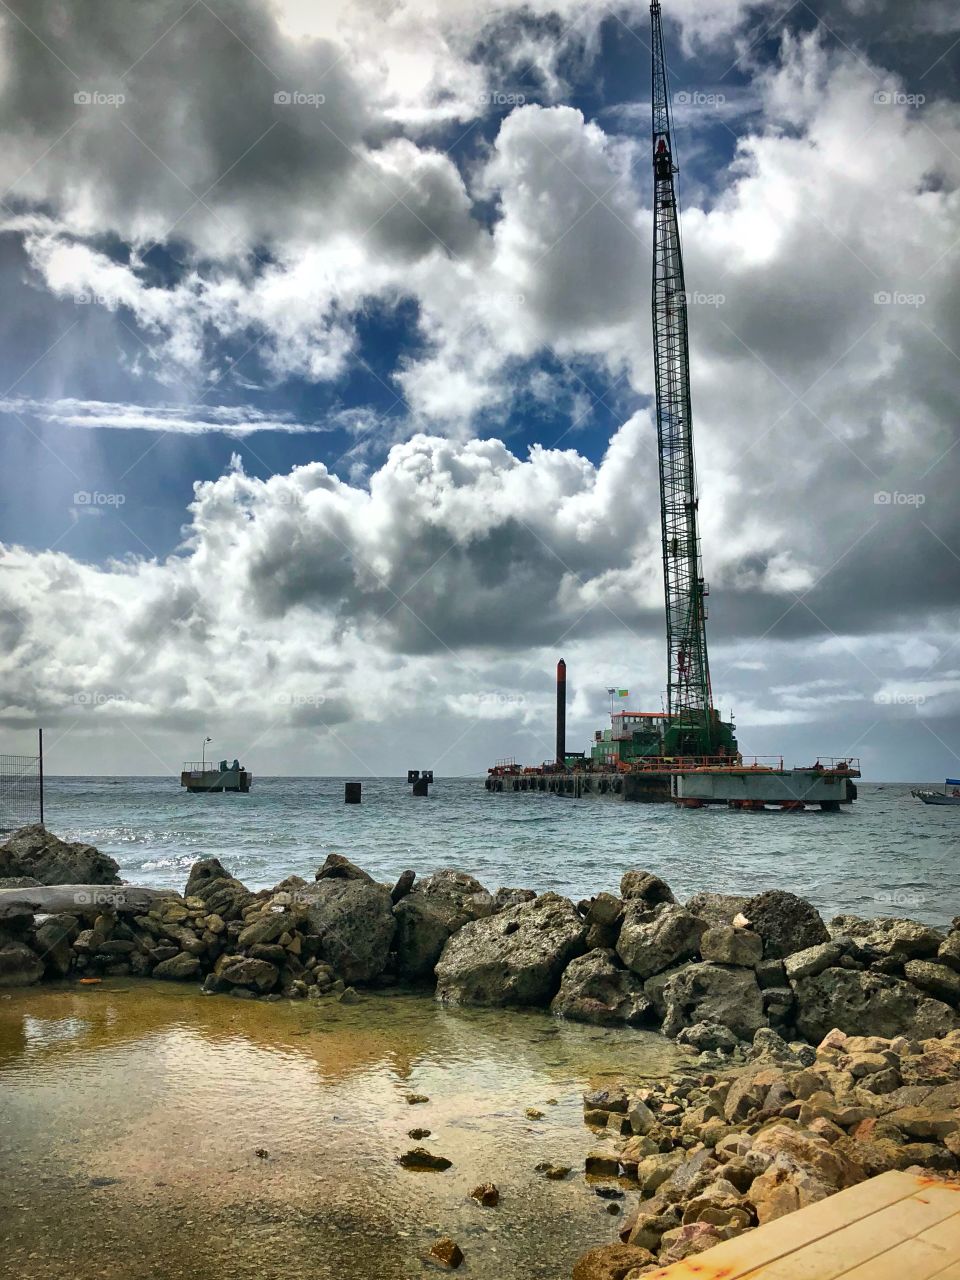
(181, 967)
(948, 952)
(37, 853)
(644, 886)
(812, 960)
(596, 988)
(52, 941)
(505, 897)
(19, 965)
(708, 1037)
(244, 971)
(725, 945)
(221, 893)
(891, 936)
(353, 922)
(652, 940)
(604, 916)
(862, 1002)
(611, 1262)
(433, 910)
(939, 979)
(337, 867)
(708, 992)
(516, 957)
(785, 922)
(717, 908)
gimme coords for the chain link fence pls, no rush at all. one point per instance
(21, 791)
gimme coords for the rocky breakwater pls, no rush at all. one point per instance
(709, 972)
(721, 1149)
(298, 940)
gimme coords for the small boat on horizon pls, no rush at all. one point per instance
(939, 797)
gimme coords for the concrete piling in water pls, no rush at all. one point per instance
(351, 792)
(420, 781)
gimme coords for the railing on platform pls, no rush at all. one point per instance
(769, 764)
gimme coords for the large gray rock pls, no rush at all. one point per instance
(714, 993)
(646, 887)
(52, 942)
(653, 940)
(433, 910)
(725, 945)
(655, 987)
(19, 966)
(353, 920)
(337, 867)
(180, 967)
(516, 957)
(35, 852)
(813, 960)
(949, 951)
(939, 979)
(595, 988)
(785, 922)
(708, 1037)
(717, 908)
(221, 893)
(242, 971)
(506, 897)
(891, 936)
(864, 1003)
(603, 915)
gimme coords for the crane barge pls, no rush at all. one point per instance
(686, 752)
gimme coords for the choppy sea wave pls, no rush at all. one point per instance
(887, 855)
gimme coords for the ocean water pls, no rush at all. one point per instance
(887, 854)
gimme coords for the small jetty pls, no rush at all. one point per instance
(204, 775)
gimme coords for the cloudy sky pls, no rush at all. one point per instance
(325, 376)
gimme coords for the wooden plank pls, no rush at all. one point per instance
(860, 1251)
(922, 1258)
(746, 1255)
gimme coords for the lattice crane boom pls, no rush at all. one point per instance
(689, 697)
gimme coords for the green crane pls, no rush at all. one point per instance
(694, 726)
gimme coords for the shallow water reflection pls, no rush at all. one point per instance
(133, 1115)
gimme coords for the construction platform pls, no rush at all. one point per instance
(693, 784)
(895, 1226)
(203, 776)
